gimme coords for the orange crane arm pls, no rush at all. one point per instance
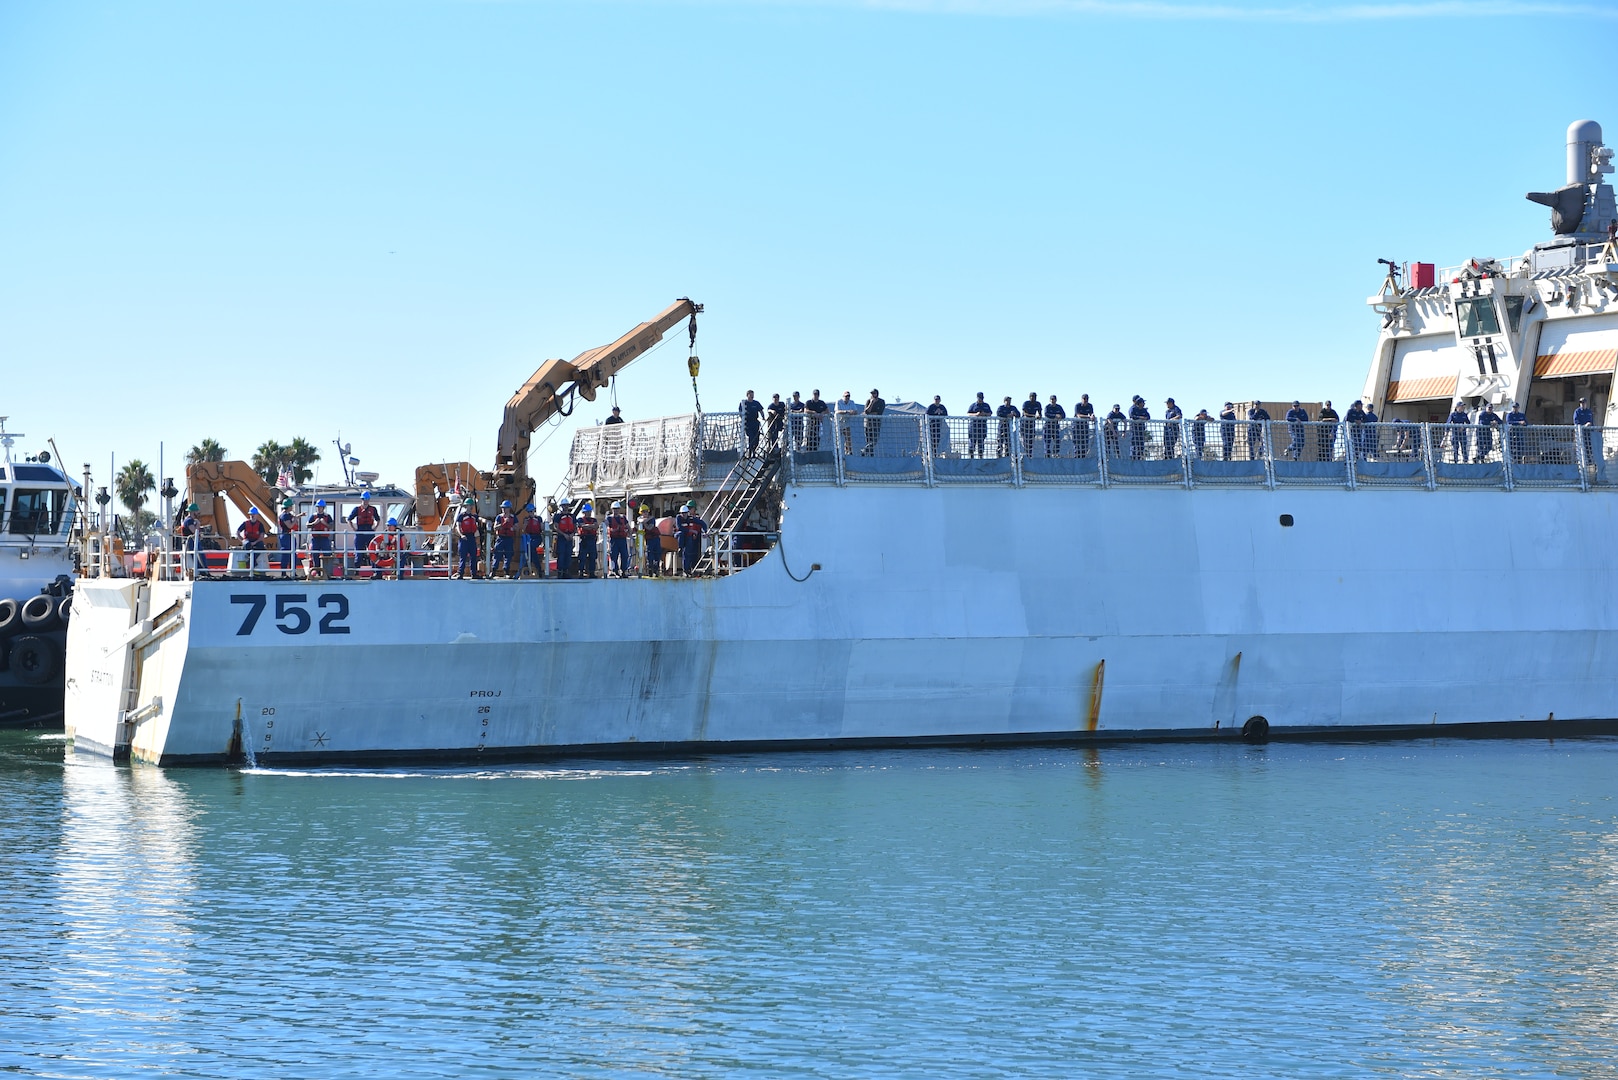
(546, 392)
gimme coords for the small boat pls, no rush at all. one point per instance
(38, 507)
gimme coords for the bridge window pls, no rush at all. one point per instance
(1514, 306)
(1477, 317)
(36, 513)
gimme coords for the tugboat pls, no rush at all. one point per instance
(37, 516)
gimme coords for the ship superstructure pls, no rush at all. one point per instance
(1145, 579)
(38, 511)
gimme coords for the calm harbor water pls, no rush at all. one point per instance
(1443, 909)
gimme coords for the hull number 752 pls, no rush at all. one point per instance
(292, 614)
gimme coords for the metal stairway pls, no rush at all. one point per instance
(728, 509)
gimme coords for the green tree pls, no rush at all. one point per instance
(133, 484)
(302, 454)
(268, 459)
(206, 450)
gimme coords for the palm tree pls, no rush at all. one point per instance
(206, 450)
(134, 482)
(302, 454)
(268, 459)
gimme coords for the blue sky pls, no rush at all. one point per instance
(259, 220)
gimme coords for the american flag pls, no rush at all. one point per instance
(284, 480)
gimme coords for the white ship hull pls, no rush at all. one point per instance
(971, 614)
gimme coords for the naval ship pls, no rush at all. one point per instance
(1445, 568)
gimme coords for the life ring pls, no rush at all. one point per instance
(39, 613)
(10, 617)
(1257, 729)
(34, 660)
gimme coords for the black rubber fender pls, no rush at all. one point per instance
(1257, 729)
(35, 661)
(10, 617)
(39, 613)
(64, 609)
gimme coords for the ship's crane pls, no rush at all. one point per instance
(550, 391)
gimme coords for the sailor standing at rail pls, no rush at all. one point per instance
(589, 539)
(1139, 415)
(1171, 428)
(751, 409)
(564, 528)
(977, 428)
(1368, 434)
(1459, 421)
(1031, 412)
(533, 543)
(1084, 418)
(287, 538)
(385, 551)
(1326, 436)
(814, 416)
(467, 525)
(364, 519)
(935, 426)
(1516, 428)
(505, 539)
(1487, 421)
(1297, 416)
(1584, 419)
(775, 419)
(652, 538)
(1005, 413)
(251, 532)
(1258, 419)
(1111, 424)
(845, 409)
(1054, 415)
(689, 527)
(1199, 433)
(874, 408)
(617, 542)
(1227, 428)
(319, 527)
(191, 534)
(795, 420)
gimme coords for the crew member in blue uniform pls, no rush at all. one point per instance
(1326, 434)
(689, 527)
(935, 426)
(467, 525)
(505, 540)
(977, 428)
(589, 539)
(1054, 415)
(775, 420)
(874, 408)
(1258, 420)
(1007, 412)
(751, 409)
(1517, 430)
(190, 529)
(795, 414)
(1199, 433)
(1297, 417)
(533, 543)
(814, 419)
(1227, 428)
(1031, 412)
(1458, 422)
(364, 519)
(1584, 420)
(564, 528)
(1369, 434)
(1488, 420)
(1355, 431)
(287, 537)
(618, 541)
(1111, 425)
(1084, 418)
(1171, 428)
(320, 527)
(617, 416)
(1139, 414)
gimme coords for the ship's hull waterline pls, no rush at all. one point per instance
(981, 615)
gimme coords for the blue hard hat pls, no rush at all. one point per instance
(529, 508)
(506, 505)
(320, 502)
(393, 523)
(365, 495)
(253, 510)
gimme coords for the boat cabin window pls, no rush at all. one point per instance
(35, 512)
(1514, 305)
(1477, 317)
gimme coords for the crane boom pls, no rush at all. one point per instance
(547, 390)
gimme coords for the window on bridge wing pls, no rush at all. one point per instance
(1477, 317)
(1514, 306)
(37, 513)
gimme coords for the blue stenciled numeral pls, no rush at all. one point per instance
(292, 616)
(256, 602)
